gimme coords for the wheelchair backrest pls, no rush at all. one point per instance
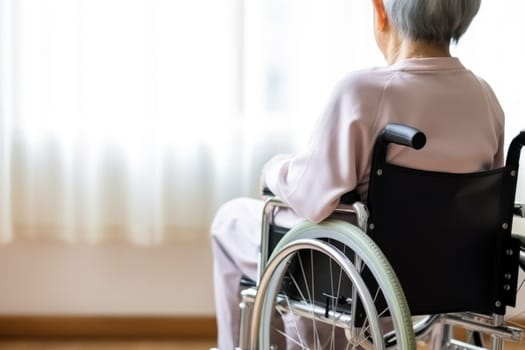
(448, 236)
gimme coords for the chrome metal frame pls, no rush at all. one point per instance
(269, 211)
(270, 208)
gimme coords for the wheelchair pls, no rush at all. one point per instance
(431, 252)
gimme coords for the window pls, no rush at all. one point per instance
(136, 119)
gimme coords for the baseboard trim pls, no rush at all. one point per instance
(108, 326)
(177, 327)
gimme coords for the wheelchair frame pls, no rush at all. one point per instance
(492, 325)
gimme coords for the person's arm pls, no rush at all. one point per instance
(499, 158)
(313, 181)
(494, 105)
(264, 190)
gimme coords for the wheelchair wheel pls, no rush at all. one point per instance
(331, 288)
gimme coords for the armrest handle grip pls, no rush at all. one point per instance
(403, 135)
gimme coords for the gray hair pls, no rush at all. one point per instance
(432, 20)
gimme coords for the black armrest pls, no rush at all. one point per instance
(350, 197)
(267, 192)
(403, 135)
(347, 198)
(247, 282)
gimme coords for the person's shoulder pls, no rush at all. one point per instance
(365, 81)
(485, 85)
(490, 96)
(487, 89)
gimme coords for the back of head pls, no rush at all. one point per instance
(432, 20)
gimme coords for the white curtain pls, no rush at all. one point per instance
(135, 119)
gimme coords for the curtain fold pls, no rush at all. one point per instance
(133, 120)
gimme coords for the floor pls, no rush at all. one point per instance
(105, 345)
(507, 346)
(136, 345)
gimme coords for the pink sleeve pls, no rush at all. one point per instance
(499, 158)
(313, 181)
(494, 105)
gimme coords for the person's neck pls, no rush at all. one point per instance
(406, 49)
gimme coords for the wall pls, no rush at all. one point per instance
(53, 278)
(173, 279)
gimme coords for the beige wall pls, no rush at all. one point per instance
(53, 278)
(172, 279)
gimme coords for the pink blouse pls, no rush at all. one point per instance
(457, 111)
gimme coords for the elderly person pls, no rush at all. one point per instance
(422, 86)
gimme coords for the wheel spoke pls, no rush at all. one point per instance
(298, 332)
(326, 304)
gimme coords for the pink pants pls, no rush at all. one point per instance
(236, 235)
